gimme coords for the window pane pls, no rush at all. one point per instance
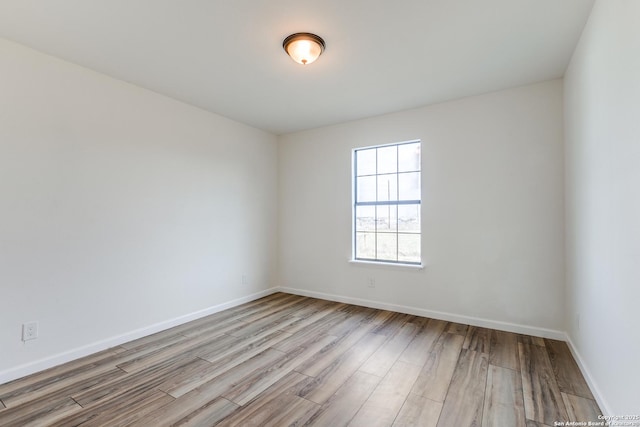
(366, 162)
(366, 245)
(409, 186)
(383, 229)
(409, 247)
(387, 246)
(366, 189)
(388, 159)
(365, 218)
(409, 157)
(387, 218)
(409, 218)
(387, 187)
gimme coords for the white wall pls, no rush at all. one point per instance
(493, 213)
(602, 113)
(120, 208)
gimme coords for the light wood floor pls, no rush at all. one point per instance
(290, 360)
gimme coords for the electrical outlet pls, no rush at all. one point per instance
(29, 331)
(371, 282)
(578, 321)
(244, 279)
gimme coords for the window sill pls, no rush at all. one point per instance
(387, 264)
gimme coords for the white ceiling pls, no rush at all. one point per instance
(382, 56)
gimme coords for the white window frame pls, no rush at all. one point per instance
(355, 204)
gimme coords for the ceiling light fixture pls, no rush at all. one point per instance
(304, 48)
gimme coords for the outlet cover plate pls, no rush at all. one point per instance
(29, 331)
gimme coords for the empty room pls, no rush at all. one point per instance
(339, 213)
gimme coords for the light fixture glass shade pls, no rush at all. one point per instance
(304, 48)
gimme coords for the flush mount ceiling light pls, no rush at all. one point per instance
(304, 48)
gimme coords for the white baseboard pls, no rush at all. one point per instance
(602, 403)
(76, 353)
(68, 356)
(468, 320)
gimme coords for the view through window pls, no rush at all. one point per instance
(387, 198)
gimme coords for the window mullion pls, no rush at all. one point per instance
(375, 216)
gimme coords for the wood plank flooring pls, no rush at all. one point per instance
(290, 360)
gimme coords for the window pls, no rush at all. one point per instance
(386, 203)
